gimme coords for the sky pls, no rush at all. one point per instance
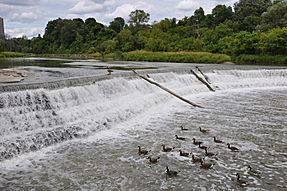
(30, 17)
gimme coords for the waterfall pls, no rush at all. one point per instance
(37, 118)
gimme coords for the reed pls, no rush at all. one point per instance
(66, 56)
(280, 60)
(11, 54)
(184, 57)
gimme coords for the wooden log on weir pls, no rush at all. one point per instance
(205, 77)
(167, 90)
(202, 81)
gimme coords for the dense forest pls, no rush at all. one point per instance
(249, 27)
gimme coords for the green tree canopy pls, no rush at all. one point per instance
(248, 12)
(245, 8)
(274, 41)
(221, 13)
(275, 16)
(117, 24)
(138, 18)
(199, 15)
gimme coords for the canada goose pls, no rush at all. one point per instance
(202, 147)
(183, 129)
(195, 159)
(18, 149)
(153, 160)
(203, 130)
(171, 173)
(241, 182)
(109, 71)
(253, 172)
(209, 154)
(217, 140)
(205, 165)
(142, 152)
(234, 149)
(166, 149)
(196, 142)
(184, 154)
(180, 138)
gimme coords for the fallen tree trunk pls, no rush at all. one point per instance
(202, 81)
(167, 90)
(205, 76)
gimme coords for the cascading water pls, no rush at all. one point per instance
(36, 119)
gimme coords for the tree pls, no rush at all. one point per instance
(138, 18)
(275, 16)
(251, 9)
(124, 40)
(212, 36)
(38, 45)
(245, 8)
(92, 28)
(190, 44)
(199, 15)
(158, 40)
(117, 24)
(78, 45)
(107, 47)
(250, 23)
(90, 22)
(52, 32)
(246, 43)
(221, 13)
(274, 41)
(166, 24)
(225, 45)
(2, 45)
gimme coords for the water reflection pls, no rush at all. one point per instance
(20, 62)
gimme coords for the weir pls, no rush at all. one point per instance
(78, 81)
(37, 118)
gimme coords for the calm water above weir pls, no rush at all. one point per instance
(86, 137)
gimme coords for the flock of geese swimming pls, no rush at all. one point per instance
(203, 164)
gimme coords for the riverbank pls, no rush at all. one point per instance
(279, 60)
(11, 54)
(180, 57)
(184, 57)
(175, 57)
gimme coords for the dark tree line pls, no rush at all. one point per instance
(250, 27)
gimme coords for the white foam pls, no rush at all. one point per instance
(118, 102)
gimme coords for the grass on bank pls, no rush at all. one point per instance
(66, 56)
(185, 57)
(11, 54)
(261, 59)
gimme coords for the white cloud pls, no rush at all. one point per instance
(125, 9)
(19, 2)
(25, 31)
(89, 6)
(25, 17)
(122, 11)
(6, 11)
(187, 5)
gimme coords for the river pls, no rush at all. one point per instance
(86, 137)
